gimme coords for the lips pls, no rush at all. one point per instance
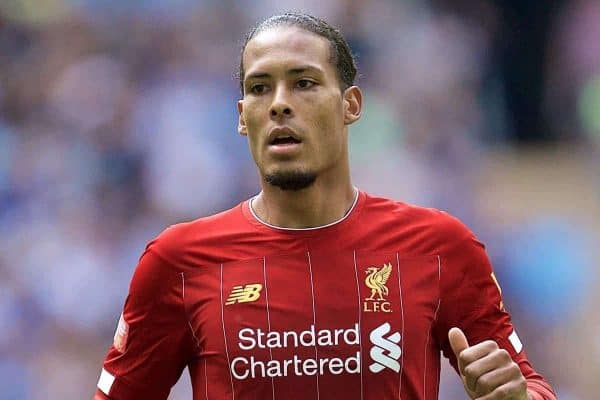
(283, 136)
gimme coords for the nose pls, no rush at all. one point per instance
(281, 106)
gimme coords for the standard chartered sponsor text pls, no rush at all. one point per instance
(243, 367)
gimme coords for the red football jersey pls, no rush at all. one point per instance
(358, 309)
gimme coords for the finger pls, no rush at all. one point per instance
(507, 391)
(506, 377)
(476, 369)
(478, 351)
(458, 343)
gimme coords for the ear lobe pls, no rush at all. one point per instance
(241, 122)
(352, 104)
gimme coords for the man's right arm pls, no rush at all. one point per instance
(153, 343)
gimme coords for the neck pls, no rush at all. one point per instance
(320, 204)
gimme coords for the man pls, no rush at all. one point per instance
(312, 289)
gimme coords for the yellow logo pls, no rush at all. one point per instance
(501, 305)
(376, 280)
(244, 294)
(120, 338)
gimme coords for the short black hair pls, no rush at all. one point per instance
(341, 55)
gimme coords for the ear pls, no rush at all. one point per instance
(352, 98)
(241, 122)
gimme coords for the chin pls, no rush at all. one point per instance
(292, 180)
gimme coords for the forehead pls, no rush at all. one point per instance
(286, 46)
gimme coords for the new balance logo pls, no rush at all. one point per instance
(244, 294)
(385, 352)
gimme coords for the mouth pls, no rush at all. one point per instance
(283, 137)
(283, 141)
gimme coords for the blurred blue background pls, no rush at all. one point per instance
(118, 118)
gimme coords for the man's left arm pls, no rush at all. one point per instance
(476, 333)
(488, 371)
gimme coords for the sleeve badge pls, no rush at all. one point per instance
(120, 339)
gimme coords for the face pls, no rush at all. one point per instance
(294, 112)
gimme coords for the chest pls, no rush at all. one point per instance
(315, 305)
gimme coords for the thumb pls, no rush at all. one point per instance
(458, 342)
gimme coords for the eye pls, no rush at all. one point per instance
(305, 84)
(258, 88)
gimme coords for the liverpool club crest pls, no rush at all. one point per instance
(376, 281)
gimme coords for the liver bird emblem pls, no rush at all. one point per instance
(376, 280)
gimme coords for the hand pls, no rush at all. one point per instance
(487, 371)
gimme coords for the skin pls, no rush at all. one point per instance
(290, 82)
(487, 371)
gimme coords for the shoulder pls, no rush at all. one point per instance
(175, 244)
(437, 230)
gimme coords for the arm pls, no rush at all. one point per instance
(488, 371)
(496, 366)
(153, 343)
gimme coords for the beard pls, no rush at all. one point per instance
(291, 180)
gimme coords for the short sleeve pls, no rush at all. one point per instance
(152, 343)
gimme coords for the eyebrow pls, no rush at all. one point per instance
(292, 71)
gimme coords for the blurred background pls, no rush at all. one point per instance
(118, 118)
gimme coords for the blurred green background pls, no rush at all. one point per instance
(118, 118)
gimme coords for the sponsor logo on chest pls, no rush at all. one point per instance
(384, 352)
